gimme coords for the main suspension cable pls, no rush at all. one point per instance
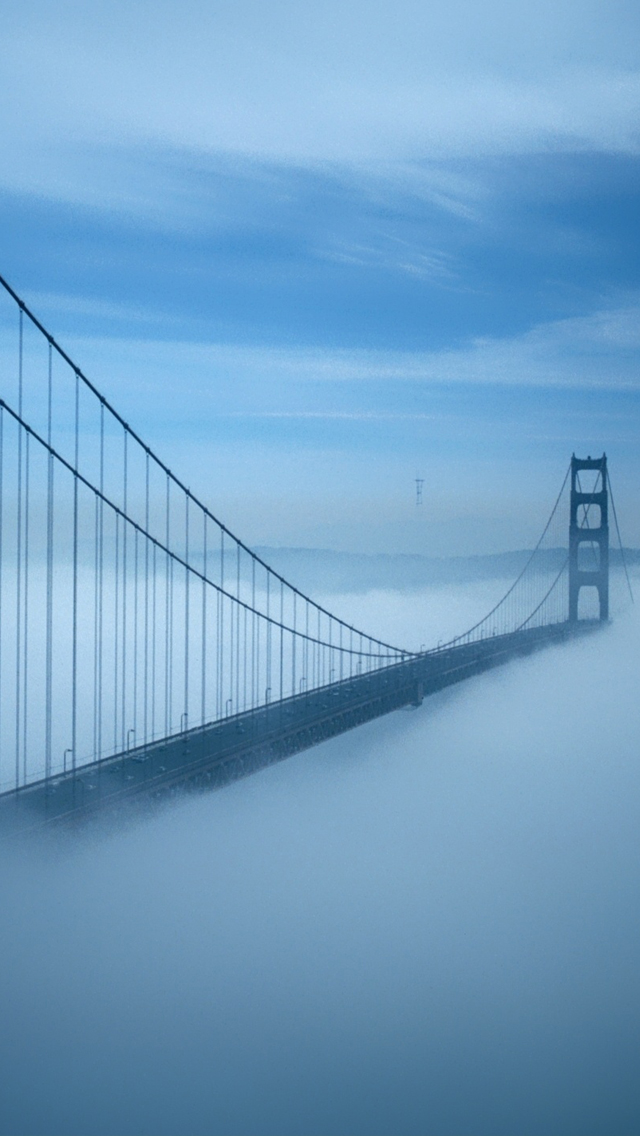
(622, 555)
(79, 374)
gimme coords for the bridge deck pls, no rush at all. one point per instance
(217, 754)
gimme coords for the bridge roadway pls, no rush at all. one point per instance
(217, 754)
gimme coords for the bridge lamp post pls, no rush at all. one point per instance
(183, 722)
(64, 759)
(129, 733)
(227, 707)
(303, 680)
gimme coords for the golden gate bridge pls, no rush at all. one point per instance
(144, 647)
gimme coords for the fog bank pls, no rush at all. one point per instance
(428, 926)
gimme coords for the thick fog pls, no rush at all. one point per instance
(430, 925)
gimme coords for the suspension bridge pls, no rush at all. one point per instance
(145, 648)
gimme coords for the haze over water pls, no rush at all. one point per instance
(429, 925)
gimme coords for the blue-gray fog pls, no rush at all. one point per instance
(429, 926)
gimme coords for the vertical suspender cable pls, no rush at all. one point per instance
(74, 659)
(307, 684)
(229, 699)
(74, 649)
(236, 705)
(330, 650)
(145, 720)
(171, 623)
(267, 693)
(254, 660)
(281, 640)
(123, 723)
(100, 584)
(167, 610)
(293, 647)
(116, 632)
(19, 556)
(49, 609)
(186, 612)
(221, 627)
(203, 661)
(1, 574)
(96, 618)
(257, 696)
(154, 620)
(245, 661)
(135, 637)
(25, 673)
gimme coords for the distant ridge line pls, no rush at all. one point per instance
(327, 569)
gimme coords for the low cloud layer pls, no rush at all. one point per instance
(427, 926)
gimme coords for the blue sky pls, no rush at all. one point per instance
(310, 253)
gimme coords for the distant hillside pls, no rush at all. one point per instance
(321, 570)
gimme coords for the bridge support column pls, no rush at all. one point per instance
(597, 535)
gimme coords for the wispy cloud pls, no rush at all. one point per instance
(389, 252)
(597, 351)
(347, 84)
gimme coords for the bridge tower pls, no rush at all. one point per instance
(592, 506)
